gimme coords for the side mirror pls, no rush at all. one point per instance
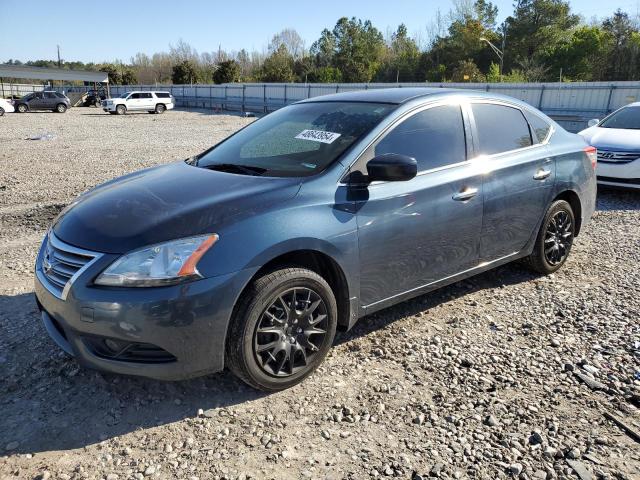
(392, 167)
(593, 122)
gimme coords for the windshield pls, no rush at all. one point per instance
(125, 94)
(628, 118)
(295, 141)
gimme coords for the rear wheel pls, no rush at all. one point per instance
(61, 108)
(1, 111)
(121, 109)
(282, 330)
(160, 108)
(22, 108)
(554, 240)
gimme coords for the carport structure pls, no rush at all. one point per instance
(39, 73)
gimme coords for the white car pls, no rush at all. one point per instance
(617, 139)
(6, 106)
(152, 102)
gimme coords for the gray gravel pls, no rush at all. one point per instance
(505, 375)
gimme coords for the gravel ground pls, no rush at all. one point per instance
(507, 374)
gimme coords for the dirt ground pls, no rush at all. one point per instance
(505, 375)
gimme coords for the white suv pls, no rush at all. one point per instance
(152, 102)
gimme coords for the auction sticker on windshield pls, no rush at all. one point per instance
(318, 136)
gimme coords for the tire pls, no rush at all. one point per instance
(554, 240)
(97, 103)
(261, 334)
(61, 108)
(121, 109)
(1, 111)
(22, 108)
(160, 108)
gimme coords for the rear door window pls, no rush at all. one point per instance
(435, 137)
(500, 128)
(145, 95)
(50, 95)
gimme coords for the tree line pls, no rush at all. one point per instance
(542, 40)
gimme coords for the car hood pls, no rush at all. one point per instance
(613, 138)
(164, 203)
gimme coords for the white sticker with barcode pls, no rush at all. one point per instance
(318, 136)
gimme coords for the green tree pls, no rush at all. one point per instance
(227, 72)
(185, 72)
(535, 27)
(622, 56)
(359, 48)
(278, 67)
(323, 50)
(402, 57)
(128, 76)
(325, 75)
(582, 56)
(462, 41)
(112, 71)
(467, 71)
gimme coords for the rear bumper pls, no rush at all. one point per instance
(187, 323)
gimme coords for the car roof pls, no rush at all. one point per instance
(400, 95)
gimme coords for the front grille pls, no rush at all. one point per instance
(61, 263)
(607, 156)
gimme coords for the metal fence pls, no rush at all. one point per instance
(9, 89)
(570, 104)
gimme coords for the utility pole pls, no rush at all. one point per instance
(59, 63)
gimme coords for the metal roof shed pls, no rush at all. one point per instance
(40, 73)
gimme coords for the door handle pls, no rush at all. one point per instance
(541, 174)
(466, 194)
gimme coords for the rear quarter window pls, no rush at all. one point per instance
(540, 128)
(163, 95)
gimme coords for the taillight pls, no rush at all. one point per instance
(592, 153)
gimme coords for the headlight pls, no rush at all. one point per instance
(163, 264)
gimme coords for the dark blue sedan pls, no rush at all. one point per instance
(251, 254)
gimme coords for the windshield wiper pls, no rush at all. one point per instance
(235, 168)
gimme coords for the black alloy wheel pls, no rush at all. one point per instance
(290, 332)
(282, 328)
(558, 238)
(554, 239)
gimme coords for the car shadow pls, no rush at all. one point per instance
(50, 403)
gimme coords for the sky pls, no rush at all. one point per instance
(105, 31)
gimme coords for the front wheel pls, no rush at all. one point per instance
(1, 111)
(282, 330)
(554, 240)
(61, 108)
(121, 109)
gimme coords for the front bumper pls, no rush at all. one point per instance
(619, 174)
(187, 322)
